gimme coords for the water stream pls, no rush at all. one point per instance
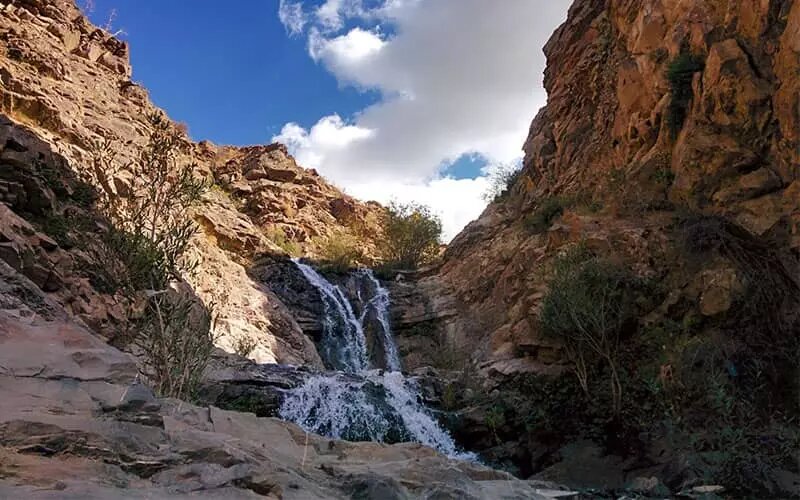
(361, 402)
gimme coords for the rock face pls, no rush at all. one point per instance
(75, 423)
(65, 90)
(604, 146)
(660, 114)
(279, 195)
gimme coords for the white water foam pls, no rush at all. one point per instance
(367, 405)
(349, 352)
(380, 302)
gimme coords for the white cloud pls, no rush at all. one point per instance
(291, 16)
(455, 201)
(350, 50)
(332, 14)
(330, 135)
(455, 77)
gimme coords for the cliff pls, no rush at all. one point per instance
(604, 151)
(668, 151)
(67, 98)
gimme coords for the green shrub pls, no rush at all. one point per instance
(548, 211)
(144, 253)
(588, 305)
(411, 236)
(340, 252)
(175, 336)
(680, 73)
(501, 181)
(277, 235)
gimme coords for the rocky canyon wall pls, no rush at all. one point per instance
(67, 94)
(604, 148)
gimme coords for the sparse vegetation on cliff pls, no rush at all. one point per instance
(277, 235)
(501, 181)
(340, 252)
(680, 73)
(542, 218)
(589, 305)
(143, 254)
(412, 236)
(244, 345)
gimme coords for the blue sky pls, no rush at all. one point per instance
(412, 100)
(229, 71)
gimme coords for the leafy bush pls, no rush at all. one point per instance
(340, 252)
(680, 73)
(588, 305)
(277, 235)
(127, 262)
(548, 211)
(412, 235)
(501, 181)
(144, 253)
(152, 227)
(175, 336)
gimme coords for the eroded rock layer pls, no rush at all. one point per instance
(67, 95)
(605, 148)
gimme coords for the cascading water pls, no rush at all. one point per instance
(343, 343)
(361, 404)
(380, 304)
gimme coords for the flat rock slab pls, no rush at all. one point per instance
(76, 423)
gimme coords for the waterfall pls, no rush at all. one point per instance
(343, 343)
(356, 403)
(380, 302)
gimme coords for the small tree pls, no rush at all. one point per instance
(164, 192)
(412, 235)
(587, 306)
(145, 252)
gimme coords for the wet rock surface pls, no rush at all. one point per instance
(77, 423)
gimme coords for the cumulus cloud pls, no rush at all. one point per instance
(455, 77)
(445, 196)
(332, 14)
(292, 17)
(346, 52)
(329, 136)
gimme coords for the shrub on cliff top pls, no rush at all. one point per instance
(412, 235)
(501, 181)
(340, 252)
